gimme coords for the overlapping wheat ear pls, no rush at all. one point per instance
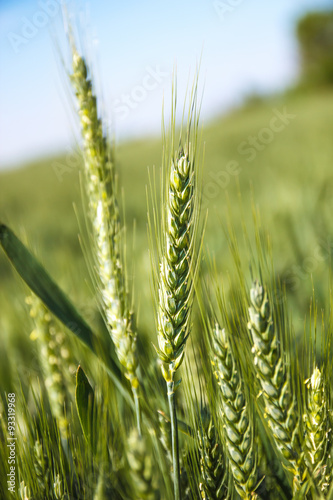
(140, 460)
(43, 470)
(54, 365)
(281, 408)
(214, 473)
(317, 429)
(236, 415)
(106, 224)
(178, 256)
(24, 491)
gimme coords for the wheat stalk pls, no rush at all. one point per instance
(236, 416)
(213, 471)
(280, 403)
(165, 438)
(317, 428)
(106, 225)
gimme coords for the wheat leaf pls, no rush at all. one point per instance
(84, 398)
(39, 281)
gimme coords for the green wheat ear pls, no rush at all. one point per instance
(24, 491)
(214, 475)
(236, 416)
(42, 467)
(175, 295)
(317, 427)
(106, 225)
(58, 488)
(55, 359)
(141, 467)
(281, 409)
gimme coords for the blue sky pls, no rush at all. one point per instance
(245, 46)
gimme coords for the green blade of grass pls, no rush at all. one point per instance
(40, 282)
(84, 398)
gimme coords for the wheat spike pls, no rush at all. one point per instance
(141, 467)
(106, 224)
(213, 471)
(175, 269)
(42, 469)
(58, 488)
(280, 403)
(54, 355)
(237, 418)
(317, 428)
(24, 491)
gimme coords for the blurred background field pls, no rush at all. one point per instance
(286, 174)
(290, 181)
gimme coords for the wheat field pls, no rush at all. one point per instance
(186, 355)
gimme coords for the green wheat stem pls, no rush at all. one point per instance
(137, 409)
(174, 438)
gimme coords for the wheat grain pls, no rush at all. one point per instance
(317, 428)
(236, 415)
(280, 403)
(214, 484)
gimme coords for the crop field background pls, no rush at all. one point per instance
(289, 180)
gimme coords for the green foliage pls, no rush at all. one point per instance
(84, 398)
(315, 37)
